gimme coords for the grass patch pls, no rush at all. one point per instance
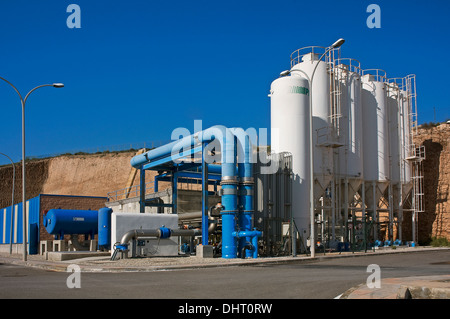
(440, 242)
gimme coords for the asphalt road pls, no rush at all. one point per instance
(318, 280)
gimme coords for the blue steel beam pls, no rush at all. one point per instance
(142, 191)
(205, 222)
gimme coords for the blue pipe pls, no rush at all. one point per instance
(229, 182)
(162, 151)
(246, 187)
(229, 185)
(212, 169)
(252, 236)
(218, 132)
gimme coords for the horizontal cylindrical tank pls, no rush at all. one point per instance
(68, 222)
(290, 132)
(104, 227)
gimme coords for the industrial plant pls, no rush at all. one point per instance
(341, 173)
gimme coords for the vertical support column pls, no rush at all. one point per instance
(400, 213)
(363, 205)
(174, 192)
(155, 184)
(391, 213)
(347, 237)
(333, 210)
(374, 216)
(142, 191)
(205, 225)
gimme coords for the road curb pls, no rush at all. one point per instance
(62, 266)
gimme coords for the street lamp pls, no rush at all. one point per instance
(312, 236)
(24, 206)
(12, 202)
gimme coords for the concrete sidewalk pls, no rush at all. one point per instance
(419, 287)
(429, 287)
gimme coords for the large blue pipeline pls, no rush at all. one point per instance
(237, 184)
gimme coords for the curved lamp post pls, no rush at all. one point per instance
(24, 208)
(335, 45)
(312, 236)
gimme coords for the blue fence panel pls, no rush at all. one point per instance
(16, 216)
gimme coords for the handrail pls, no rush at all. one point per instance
(352, 64)
(125, 192)
(297, 55)
(378, 74)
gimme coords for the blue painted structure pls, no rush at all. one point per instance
(233, 179)
(104, 227)
(34, 224)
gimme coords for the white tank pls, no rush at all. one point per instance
(375, 132)
(350, 131)
(290, 131)
(347, 73)
(304, 61)
(375, 129)
(407, 147)
(400, 134)
(395, 102)
(406, 110)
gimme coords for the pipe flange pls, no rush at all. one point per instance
(247, 180)
(229, 180)
(228, 191)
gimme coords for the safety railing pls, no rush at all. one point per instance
(127, 192)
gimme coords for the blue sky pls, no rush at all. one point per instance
(136, 70)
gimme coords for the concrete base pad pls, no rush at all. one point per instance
(205, 251)
(68, 255)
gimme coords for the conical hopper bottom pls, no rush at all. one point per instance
(353, 188)
(321, 182)
(380, 188)
(406, 190)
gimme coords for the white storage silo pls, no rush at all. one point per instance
(375, 134)
(395, 102)
(290, 131)
(305, 61)
(406, 135)
(350, 129)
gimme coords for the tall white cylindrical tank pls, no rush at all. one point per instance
(290, 131)
(347, 88)
(405, 115)
(395, 101)
(406, 136)
(400, 134)
(375, 129)
(304, 62)
(375, 132)
(350, 129)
